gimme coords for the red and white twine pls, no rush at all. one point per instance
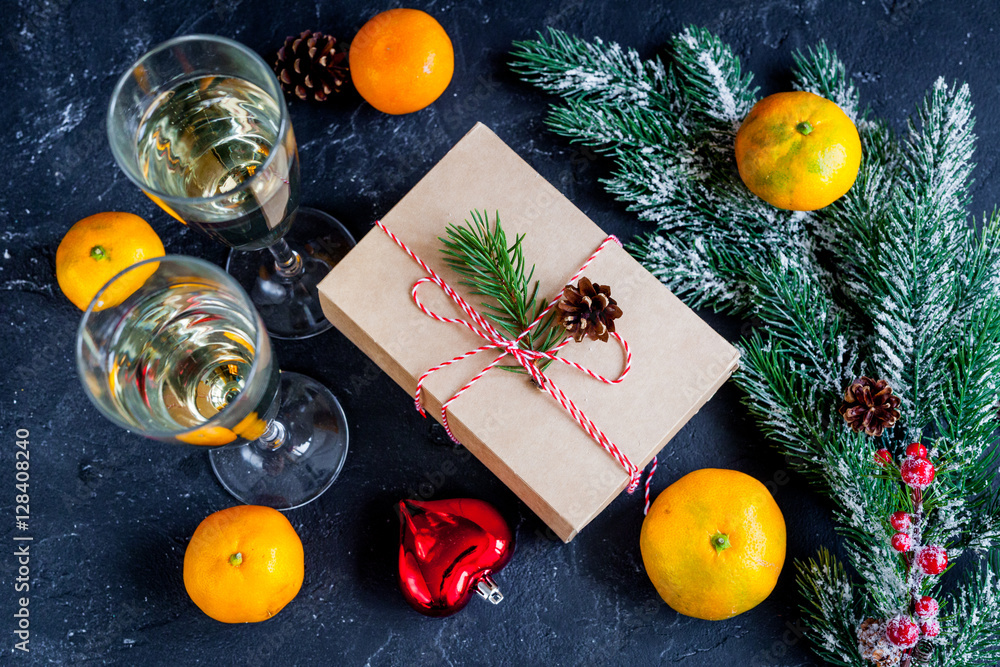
(649, 480)
(526, 358)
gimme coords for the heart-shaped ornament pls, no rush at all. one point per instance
(448, 550)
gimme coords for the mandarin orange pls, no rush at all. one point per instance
(244, 564)
(713, 544)
(401, 60)
(96, 249)
(798, 151)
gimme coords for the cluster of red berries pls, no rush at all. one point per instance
(917, 470)
(904, 632)
(917, 473)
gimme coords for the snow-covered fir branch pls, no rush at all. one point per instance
(974, 636)
(615, 129)
(890, 280)
(574, 68)
(820, 71)
(710, 76)
(832, 608)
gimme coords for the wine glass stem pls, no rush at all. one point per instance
(273, 437)
(287, 262)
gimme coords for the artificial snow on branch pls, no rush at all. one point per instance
(891, 280)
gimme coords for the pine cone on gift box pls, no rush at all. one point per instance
(312, 66)
(588, 310)
(869, 406)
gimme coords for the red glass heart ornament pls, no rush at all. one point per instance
(448, 550)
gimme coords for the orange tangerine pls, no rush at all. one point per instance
(96, 249)
(713, 544)
(401, 60)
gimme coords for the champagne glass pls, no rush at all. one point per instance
(172, 348)
(199, 123)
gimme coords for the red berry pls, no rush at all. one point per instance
(916, 449)
(931, 628)
(926, 607)
(917, 473)
(932, 560)
(901, 542)
(902, 632)
(883, 456)
(900, 521)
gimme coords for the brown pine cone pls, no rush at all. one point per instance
(588, 310)
(875, 647)
(869, 406)
(312, 66)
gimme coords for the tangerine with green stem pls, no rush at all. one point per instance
(96, 249)
(798, 151)
(713, 544)
(244, 564)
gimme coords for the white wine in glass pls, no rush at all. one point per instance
(185, 358)
(209, 136)
(199, 123)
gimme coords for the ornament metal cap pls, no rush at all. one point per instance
(488, 589)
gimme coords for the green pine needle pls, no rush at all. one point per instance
(494, 268)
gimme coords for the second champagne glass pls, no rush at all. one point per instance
(200, 124)
(185, 358)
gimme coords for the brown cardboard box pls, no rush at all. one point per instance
(517, 431)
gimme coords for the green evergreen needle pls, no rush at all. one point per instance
(497, 270)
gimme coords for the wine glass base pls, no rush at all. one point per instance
(304, 466)
(290, 308)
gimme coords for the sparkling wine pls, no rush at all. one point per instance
(181, 355)
(207, 137)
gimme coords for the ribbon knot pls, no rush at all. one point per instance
(514, 348)
(525, 357)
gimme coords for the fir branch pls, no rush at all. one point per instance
(974, 615)
(980, 280)
(925, 237)
(710, 76)
(940, 154)
(833, 610)
(967, 419)
(574, 68)
(690, 266)
(889, 274)
(796, 307)
(968, 416)
(982, 533)
(863, 502)
(819, 71)
(912, 296)
(492, 267)
(614, 129)
(787, 407)
(848, 229)
(906, 267)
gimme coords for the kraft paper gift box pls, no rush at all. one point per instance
(518, 431)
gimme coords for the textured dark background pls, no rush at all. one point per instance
(112, 513)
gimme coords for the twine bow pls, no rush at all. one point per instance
(527, 358)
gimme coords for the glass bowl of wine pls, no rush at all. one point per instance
(185, 358)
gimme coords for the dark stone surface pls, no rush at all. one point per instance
(111, 513)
